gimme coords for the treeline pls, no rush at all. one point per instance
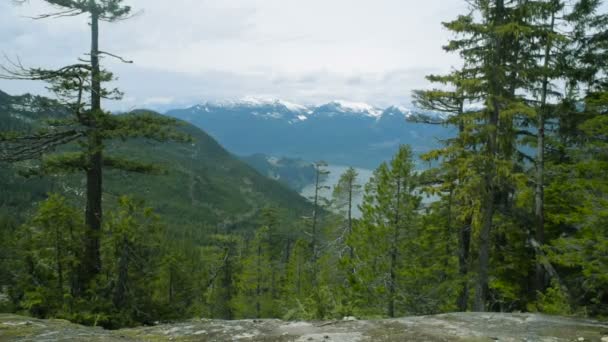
(322, 266)
(518, 219)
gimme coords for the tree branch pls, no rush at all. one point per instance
(15, 149)
(115, 56)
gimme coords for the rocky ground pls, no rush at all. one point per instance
(447, 327)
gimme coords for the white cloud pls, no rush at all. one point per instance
(306, 51)
(158, 101)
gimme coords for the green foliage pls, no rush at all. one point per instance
(584, 255)
(237, 245)
(553, 302)
(514, 53)
(383, 240)
(48, 282)
(257, 281)
(49, 251)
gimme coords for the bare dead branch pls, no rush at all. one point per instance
(115, 56)
(67, 13)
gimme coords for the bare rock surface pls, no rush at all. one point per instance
(447, 327)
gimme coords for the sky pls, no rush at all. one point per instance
(192, 51)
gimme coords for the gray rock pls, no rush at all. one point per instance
(446, 327)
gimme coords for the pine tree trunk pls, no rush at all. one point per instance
(392, 290)
(123, 274)
(490, 167)
(448, 250)
(314, 217)
(92, 262)
(287, 254)
(314, 228)
(227, 283)
(171, 283)
(484, 251)
(540, 165)
(258, 287)
(392, 287)
(539, 202)
(464, 244)
(464, 247)
(350, 218)
(75, 287)
(59, 261)
(299, 276)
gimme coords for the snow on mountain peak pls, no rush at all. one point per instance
(400, 110)
(272, 108)
(256, 101)
(357, 107)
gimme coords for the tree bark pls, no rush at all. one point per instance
(258, 287)
(59, 260)
(393, 266)
(464, 247)
(314, 246)
(464, 242)
(350, 217)
(123, 274)
(93, 215)
(490, 167)
(539, 207)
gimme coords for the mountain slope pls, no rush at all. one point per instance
(203, 185)
(339, 132)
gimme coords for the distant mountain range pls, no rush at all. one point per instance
(339, 132)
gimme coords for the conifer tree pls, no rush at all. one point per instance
(87, 124)
(255, 280)
(577, 186)
(381, 237)
(488, 40)
(299, 279)
(453, 179)
(343, 197)
(131, 241)
(318, 202)
(221, 289)
(49, 255)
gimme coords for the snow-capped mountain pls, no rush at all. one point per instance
(340, 107)
(267, 108)
(340, 132)
(262, 103)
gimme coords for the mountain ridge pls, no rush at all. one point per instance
(339, 132)
(274, 106)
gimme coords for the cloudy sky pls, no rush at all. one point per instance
(191, 51)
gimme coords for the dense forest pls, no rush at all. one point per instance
(520, 220)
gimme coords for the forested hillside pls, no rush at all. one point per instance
(137, 218)
(200, 190)
(197, 183)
